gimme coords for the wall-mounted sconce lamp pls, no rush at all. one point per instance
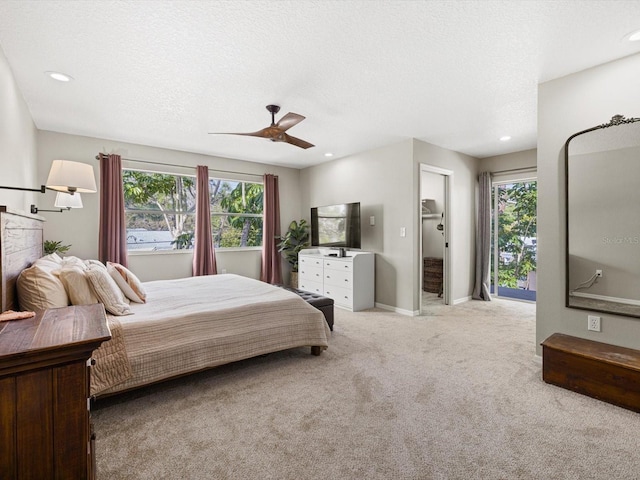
(66, 176)
(64, 202)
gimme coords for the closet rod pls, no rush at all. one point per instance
(181, 166)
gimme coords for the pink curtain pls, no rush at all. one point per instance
(204, 258)
(271, 269)
(112, 241)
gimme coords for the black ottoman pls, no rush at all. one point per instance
(324, 304)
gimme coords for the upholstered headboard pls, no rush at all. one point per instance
(21, 240)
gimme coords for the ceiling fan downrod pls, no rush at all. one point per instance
(273, 109)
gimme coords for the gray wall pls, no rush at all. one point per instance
(524, 159)
(566, 106)
(382, 181)
(17, 143)
(386, 181)
(80, 227)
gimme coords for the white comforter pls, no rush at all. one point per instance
(200, 322)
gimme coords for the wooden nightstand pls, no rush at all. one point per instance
(44, 393)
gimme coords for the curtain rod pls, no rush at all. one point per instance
(513, 170)
(181, 166)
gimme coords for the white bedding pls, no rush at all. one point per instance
(199, 322)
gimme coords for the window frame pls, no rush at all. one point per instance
(193, 213)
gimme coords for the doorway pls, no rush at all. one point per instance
(514, 239)
(435, 231)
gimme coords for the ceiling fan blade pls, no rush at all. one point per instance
(296, 141)
(264, 133)
(289, 120)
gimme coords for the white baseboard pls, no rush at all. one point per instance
(458, 301)
(415, 313)
(401, 311)
(626, 301)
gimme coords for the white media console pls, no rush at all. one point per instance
(349, 280)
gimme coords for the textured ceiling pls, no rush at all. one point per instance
(458, 74)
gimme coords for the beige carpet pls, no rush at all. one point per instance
(456, 394)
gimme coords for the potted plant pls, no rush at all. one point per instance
(55, 247)
(296, 238)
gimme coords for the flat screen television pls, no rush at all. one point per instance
(336, 226)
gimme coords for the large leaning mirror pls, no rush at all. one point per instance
(603, 217)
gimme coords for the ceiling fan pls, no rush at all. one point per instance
(276, 131)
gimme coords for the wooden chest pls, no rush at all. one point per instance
(606, 372)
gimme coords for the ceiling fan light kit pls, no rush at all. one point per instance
(276, 131)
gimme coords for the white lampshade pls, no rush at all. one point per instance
(66, 200)
(68, 176)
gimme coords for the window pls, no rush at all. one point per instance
(160, 211)
(236, 213)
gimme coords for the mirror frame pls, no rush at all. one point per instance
(615, 121)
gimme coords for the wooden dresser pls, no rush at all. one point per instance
(44, 393)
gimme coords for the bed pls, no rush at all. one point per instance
(185, 325)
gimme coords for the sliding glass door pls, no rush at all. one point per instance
(514, 242)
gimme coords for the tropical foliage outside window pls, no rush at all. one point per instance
(517, 232)
(160, 211)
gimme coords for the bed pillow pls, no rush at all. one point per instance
(72, 261)
(107, 290)
(130, 285)
(98, 263)
(53, 260)
(39, 289)
(77, 286)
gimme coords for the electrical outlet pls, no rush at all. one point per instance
(224, 270)
(598, 273)
(593, 323)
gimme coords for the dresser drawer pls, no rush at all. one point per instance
(338, 265)
(308, 286)
(341, 296)
(338, 278)
(310, 261)
(310, 273)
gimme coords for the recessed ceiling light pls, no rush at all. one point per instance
(633, 36)
(506, 138)
(328, 154)
(61, 77)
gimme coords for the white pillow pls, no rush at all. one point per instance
(49, 262)
(39, 289)
(130, 285)
(77, 285)
(73, 262)
(107, 290)
(94, 262)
